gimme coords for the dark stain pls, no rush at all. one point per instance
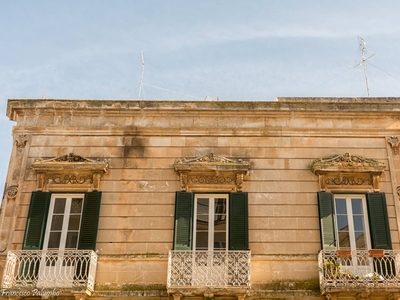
(133, 147)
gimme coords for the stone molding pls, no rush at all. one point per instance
(11, 192)
(348, 172)
(72, 172)
(21, 140)
(211, 173)
(394, 143)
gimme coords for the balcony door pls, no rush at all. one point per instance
(62, 233)
(352, 231)
(210, 239)
(210, 228)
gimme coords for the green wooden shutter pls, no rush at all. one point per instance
(90, 221)
(36, 222)
(238, 222)
(183, 228)
(327, 221)
(378, 221)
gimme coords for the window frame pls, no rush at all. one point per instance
(238, 230)
(350, 214)
(378, 221)
(212, 197)
(65, 224)
(38, 213)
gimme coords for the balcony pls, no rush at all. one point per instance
(72, 270)
(359, 271)
(212, 271)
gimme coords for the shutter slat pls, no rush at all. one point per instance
(90, 221)
(238, 222)
(327, 222)
(36, 222)
(183, 221)
(378, 221)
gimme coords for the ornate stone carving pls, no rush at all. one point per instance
(348, 172)
(348, 180)
(211, 172)
(75, 171)
(211, 179)
(394, 143)
(210, 158)
(362, 296)
(346, 161)
(72, 158)
(21, 140)
(65, 179)
(11, 192)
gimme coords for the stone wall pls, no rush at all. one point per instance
(141, 140)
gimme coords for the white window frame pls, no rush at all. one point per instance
(211, 215)
(67, 212)
(355, 265)
(348, 198)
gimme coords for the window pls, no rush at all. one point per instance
(354, 221)
(351, 220)
(211, 221)
(62, 221)
(210, 228)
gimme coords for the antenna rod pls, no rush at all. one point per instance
(362, 47)
(141, 77)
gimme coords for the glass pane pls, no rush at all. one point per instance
(72, 240)
(54, 240)
(59, 205)
(220, 225)
(356, 206)
(74, 221)
(361, 243)
(342, 223)
(76, 205)
(344, 240)
(201, 241)
(202, 224)
(358, 223)
(220, 240)
(202, 206)
(341, 207)
(56, 222)
(220, 206)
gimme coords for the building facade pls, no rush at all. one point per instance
(296, 198)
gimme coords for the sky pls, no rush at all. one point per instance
(192, 50)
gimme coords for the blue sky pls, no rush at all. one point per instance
(234, 50)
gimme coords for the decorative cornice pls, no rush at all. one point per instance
(211, 162)
(73, 170)
(348, 172)
(211, 172)
(71, 157)
(347, 163)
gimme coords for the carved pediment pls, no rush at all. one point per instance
(211, 172)
(69, 172)
(348, 172)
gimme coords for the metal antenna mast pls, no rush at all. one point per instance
(361, 43)
(141, 77)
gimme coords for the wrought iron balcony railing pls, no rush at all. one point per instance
(74, 269)
(217, 269)
(353, 270)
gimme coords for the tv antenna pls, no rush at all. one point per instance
(361, 43)
(141, 77)
(141, 84)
